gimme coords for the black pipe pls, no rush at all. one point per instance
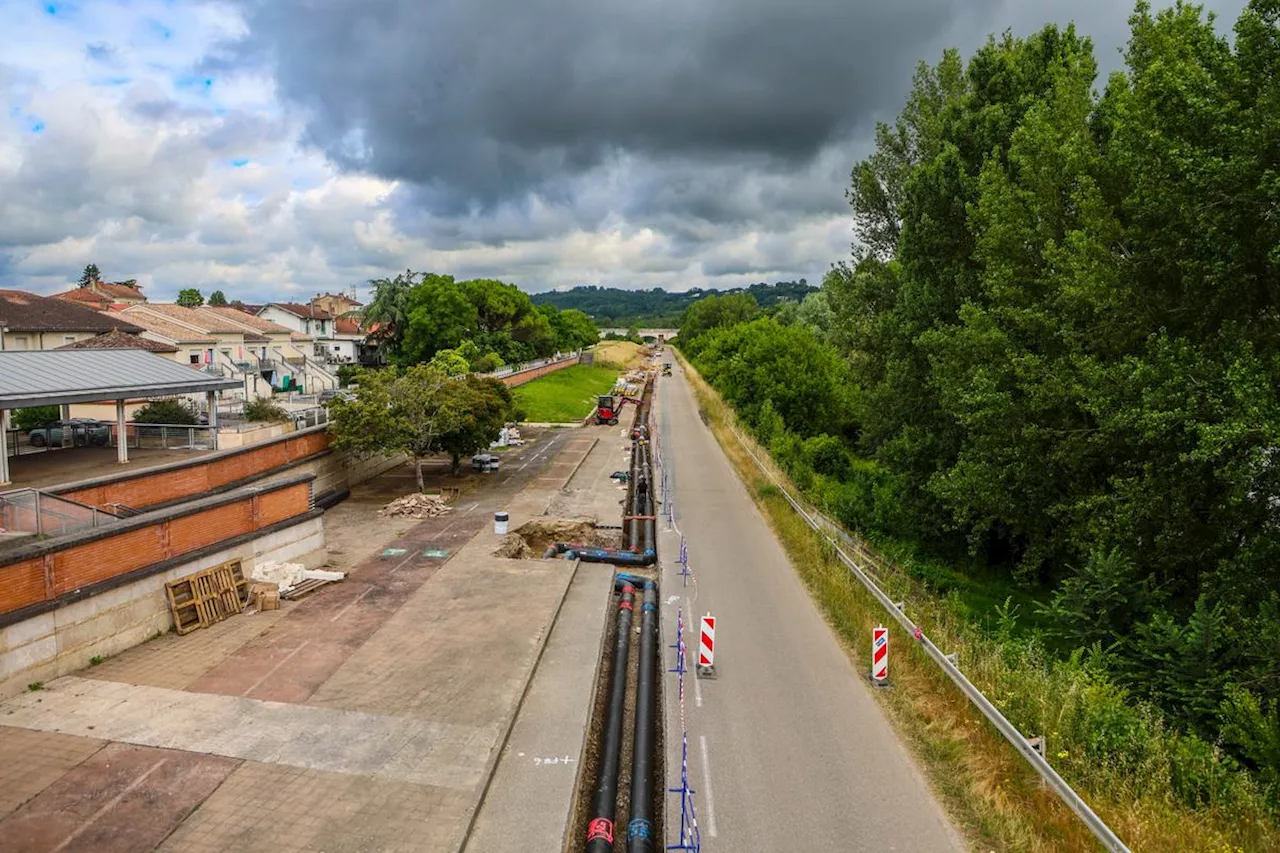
(605, 803)
(332, 498)
(640, 828)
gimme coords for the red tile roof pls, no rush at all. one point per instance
(299, 310)
(116, 339)
(115, 290)
(347, 326)
(84, 296)
(26, 312)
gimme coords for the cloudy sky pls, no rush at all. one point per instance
(277, 148)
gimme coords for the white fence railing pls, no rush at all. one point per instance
(508, 369)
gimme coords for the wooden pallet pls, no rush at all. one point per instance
(207, 597)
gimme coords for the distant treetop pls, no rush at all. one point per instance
(613, 306)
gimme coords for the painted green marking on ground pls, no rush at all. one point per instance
(432, 552)
(395, 552)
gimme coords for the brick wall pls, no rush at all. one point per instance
(529, 375)
(109, 552)
(199, 476)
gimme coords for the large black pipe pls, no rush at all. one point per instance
(640, 828)
(605, 803)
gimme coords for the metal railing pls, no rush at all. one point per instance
(165, 436)
(34, 511)
(507, 370)
(1095, 824)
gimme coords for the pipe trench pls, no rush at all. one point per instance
(640, 827)
(604, 804)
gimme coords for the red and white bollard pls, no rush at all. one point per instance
(707, 647)
(880, 656)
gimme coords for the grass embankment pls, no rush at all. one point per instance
(991, 793)
(622, 355)
(564, 396)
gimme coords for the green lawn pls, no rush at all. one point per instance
(564, 396)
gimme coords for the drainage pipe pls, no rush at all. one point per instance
(640, 828)
(604, 804)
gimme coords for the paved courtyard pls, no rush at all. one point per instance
(368, 716)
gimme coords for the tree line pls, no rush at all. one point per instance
(658, 308)
(1055, 353)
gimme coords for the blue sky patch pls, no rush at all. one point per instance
(112, 81)
(159, 30)
(193, 81)
(240, 162)
(35, 125)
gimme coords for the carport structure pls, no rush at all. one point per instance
(62, 377)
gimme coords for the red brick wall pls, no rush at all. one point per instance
(529, 375)
(200, 476)
(24, 583)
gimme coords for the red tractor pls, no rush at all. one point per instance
(607, 411)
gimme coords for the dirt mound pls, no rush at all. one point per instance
(530, 540)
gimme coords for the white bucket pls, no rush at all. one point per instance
(500, 523)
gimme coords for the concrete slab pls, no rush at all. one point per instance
(122, 799)
(528, 802)
(366, 717)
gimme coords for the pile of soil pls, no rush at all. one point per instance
(416, 505)
(530, 540)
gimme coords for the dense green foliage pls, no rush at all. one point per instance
(415, 316)
(658, 308)
(218, 299)
(189, 297)
(564, 396)
(34, 417)
(168, 411)
(419, 411)
(1061, 324)
(264, 409)
(90, 275)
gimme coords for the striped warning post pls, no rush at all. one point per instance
(707, 646)
(880, 655)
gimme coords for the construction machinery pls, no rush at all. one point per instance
(607, 409)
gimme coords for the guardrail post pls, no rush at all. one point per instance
(39, 516)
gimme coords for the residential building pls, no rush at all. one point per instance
(31, 322)
(347, 346)
(88, 298)
(310, 321)
(336, 304)
(287, 353)
(118, 292)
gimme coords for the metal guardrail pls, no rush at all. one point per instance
(166, 436)
(1065, 792)
(34, 511)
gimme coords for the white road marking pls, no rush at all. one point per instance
(697, 691)
(706, 787)
(343, 612)
(273, 669)
(473, 506)
(111, 804)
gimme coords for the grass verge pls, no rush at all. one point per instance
(621, 355)
(565, 395)
(993, 797)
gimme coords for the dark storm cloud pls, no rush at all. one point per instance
(481, 100)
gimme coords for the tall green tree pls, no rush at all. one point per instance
(218, 298)
(90, 275)
(715, 312)
(385, 319)
(189, 297)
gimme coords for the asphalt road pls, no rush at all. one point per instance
(787, 746)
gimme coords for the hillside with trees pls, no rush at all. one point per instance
(657, 308)
(1055, 361)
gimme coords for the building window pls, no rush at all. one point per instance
(195, 358)
(20, 342)
(68, 339)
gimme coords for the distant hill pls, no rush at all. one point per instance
(613, 306)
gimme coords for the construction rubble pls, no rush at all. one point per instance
(416, 505)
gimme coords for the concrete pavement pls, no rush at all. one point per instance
(787, 744)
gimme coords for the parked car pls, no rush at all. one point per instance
(327, 397)
(84, 431)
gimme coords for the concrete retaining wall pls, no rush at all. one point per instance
(65, 640)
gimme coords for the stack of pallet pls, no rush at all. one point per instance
(207, 597)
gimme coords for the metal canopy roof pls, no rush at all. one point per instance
(56, 377)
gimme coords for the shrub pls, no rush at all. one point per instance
(169, 411)
(264, 409)
(36, 416)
